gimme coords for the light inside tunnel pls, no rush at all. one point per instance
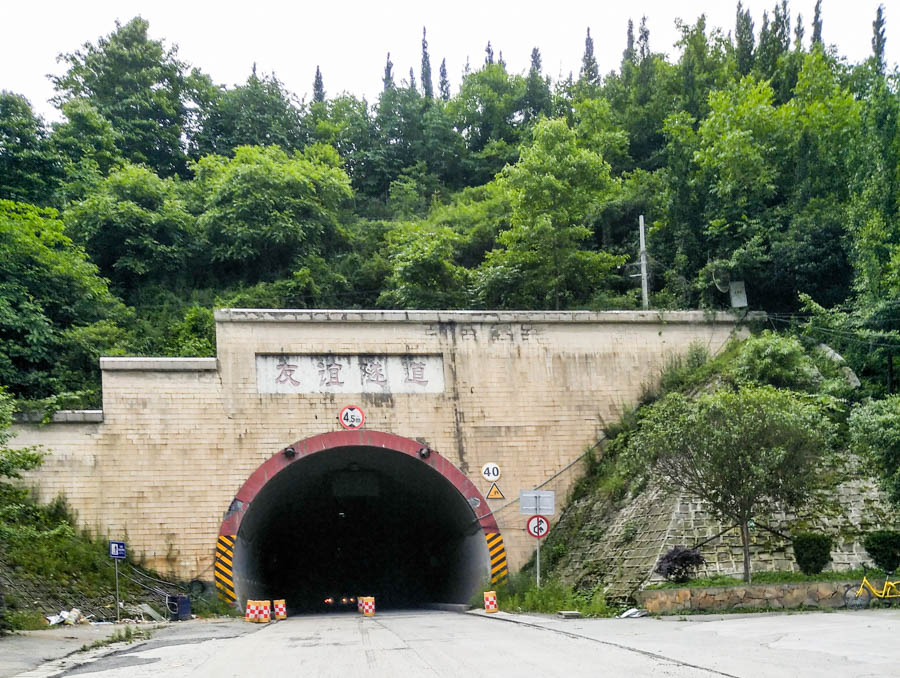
(355, 521)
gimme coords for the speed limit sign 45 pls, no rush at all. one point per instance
(352, 417)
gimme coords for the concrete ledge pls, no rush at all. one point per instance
(447, 607)
(159, 364)
(63, 417)
(260, 315)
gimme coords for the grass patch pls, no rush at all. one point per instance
(127, 634)
(763, 578)
(520, 594)
(25, 620)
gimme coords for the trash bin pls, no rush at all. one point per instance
(179, 607)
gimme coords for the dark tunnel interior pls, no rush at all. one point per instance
(359, 521)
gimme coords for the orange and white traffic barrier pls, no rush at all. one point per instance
(359, 601)
(368, 606)
(265, 611)
(280, 609)
(252, 612)
(490, 601)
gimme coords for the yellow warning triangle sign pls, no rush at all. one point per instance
(494, 492)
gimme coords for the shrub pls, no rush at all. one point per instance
(812, 551)
(884, 548)
(679, 564)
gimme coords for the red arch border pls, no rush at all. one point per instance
(357, 438)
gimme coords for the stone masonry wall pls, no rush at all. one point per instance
(178, 437)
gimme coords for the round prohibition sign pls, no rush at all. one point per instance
(352, 417)
(537, 526)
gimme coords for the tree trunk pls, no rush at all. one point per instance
(745, 542)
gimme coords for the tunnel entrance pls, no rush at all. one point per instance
(357, 513)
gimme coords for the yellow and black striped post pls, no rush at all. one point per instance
(499, 568)
(224, 576)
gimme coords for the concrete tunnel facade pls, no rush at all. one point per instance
(186, 459)
(354, 513)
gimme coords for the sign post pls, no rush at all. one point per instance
(537, 527)
(117, 553)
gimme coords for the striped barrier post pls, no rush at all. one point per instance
(490, 601)
(359, 603)
(368, 606)
(280, 609)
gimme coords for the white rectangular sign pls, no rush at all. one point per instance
(349, 373)
(537, 502)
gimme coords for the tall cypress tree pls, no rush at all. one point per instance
(318, 87)
(817, 24)
(878, 39)
(643, 39)
(744, 40)
(412, 79)
(427, 87)
(388, 79)
(799, 32)
(488, 54)
(537, 90)
(444, 83)
(629, 54)
(590, 73)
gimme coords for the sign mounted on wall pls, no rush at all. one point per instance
(490, 472)
(352, 417)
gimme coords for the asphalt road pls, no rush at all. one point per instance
(430, 643)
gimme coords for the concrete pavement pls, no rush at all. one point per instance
(429, 643)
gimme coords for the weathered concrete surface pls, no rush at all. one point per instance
(179, 437)
(416, 644)
(828, 595)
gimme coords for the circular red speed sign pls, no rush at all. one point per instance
(352, 417)
(537, 526)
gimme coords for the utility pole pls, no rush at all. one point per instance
(645, 296)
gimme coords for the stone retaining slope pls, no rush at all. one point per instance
(616, 547)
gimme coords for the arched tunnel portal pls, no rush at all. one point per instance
(353, 513)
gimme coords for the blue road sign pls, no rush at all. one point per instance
(117, 549)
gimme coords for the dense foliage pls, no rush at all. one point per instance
(679, 563)
(883, 546)
(753, 156)
(812, 551)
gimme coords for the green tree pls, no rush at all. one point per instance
(744, 453)
(423, 273)
(875, 432)
(744, 41)
(427, 85)
(878, 40)
(537, 98)
(263, 208)
(590, 73)
(444, 84)
(258, 113)
(542, 260)
(318, 87)
(86, 145)
(817, 24)
(56, 312)
(137, 229)
(29, 169)
(142, 88)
